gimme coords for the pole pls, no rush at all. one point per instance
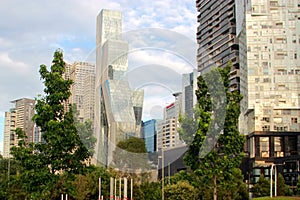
(162, 171)
(111, 188)
(120, 189)
(125, 188)
(131, 189)
(275, 186)
(115, 189)
(271, 174)
(62, 197)
(169, 171)
(99, 197)
(66, 196)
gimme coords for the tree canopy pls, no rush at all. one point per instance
(217, 148)
(49, 166)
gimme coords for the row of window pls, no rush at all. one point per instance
(263, 146)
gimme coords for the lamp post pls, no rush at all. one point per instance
(162, 173)
(275, 180)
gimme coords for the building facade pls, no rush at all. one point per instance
(149, 134)
(167, 129)
(189, 87)
(18, 117)
(118, 108)
(269, 37)
(83, 88)
(216, 37)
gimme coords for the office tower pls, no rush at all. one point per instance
(118, 108)
(18, 117)
(189, 87)
(81, 89)
(148, 133)
(269, 37)
(216, 37)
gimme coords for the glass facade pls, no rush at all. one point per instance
(149, 134)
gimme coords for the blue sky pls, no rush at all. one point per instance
(31, 31)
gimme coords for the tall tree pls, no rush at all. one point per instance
(50, 165)
(217, 148)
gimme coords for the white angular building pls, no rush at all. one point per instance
(118, 108)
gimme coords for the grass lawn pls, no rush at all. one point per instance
(277, 198)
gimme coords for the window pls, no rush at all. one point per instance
(266, 119)
(266, 128)
(294, 120)
(278, 147)
(292, 145)
(252, 147)
(264, 146)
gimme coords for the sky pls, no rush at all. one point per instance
(31, 30)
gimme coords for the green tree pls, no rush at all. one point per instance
(151, 190)
(282, 188)
(131, 155)
(9, 179)
(85, 130)
(218, 145)
(180, 190)
(49, 166)
(262, 187)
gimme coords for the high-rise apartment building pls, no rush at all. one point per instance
(89, 97)
(18, 117)
(269, 36)
(83, 88)
(216, 37)
(118, 108)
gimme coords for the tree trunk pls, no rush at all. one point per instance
(215, 187)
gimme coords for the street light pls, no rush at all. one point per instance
(275, 180)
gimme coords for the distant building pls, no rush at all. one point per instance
(18, 117)
(83, 88)
(173, 162)
(149, 133)
(89, 97)
(189, 87)
(167, 129)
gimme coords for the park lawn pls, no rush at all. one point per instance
(277, 198)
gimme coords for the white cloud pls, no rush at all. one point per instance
(33, 30)
(7, 62)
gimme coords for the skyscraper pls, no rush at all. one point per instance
(216, 37)
(118, 107)
(82, 90)
(269, 36)
(18, 117)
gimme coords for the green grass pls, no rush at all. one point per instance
(277, 198)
